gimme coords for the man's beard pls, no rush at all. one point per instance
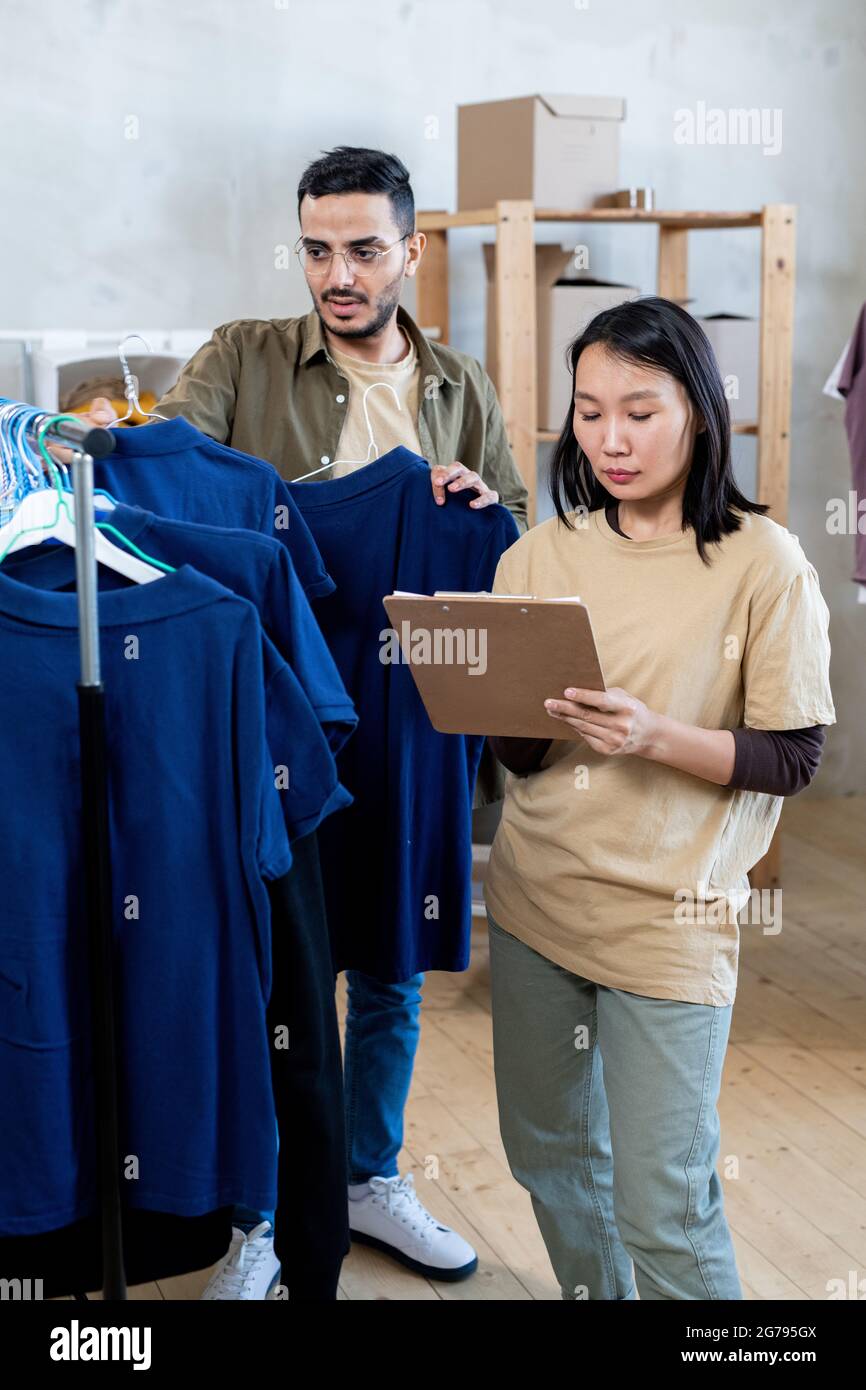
(383, 309)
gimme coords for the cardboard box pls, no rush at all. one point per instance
(560, 151)
(736, 343)
(563, 309)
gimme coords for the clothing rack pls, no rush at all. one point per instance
(88, 443)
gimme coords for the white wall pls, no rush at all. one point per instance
(178, 226)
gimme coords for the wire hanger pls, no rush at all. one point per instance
(130, 385)
(372, 444)
(22, 469)
(20, 465)
(48, 513)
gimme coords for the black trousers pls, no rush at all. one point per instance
(312, 1221)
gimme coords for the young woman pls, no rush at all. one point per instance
(620, 863)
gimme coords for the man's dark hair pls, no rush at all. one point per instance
(349, 169)
(657, 333)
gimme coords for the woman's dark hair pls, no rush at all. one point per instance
(658, 334)
(351, 169)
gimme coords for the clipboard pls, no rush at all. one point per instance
(485, 663)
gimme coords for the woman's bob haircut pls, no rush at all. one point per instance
(657, 334)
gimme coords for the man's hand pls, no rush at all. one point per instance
(101, 412)
(454, 477)
(100, 415)
(611, 721)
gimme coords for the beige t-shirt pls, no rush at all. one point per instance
(630, 872)
(391, 424)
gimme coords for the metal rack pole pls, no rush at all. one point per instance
(87, 443)
(97, 869)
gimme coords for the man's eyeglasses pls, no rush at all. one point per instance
(360, 260)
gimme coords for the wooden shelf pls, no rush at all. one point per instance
(514, 287)
(737, 427)
(683, 221)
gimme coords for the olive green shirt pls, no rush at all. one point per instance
(269, 387)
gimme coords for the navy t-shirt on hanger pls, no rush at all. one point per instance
(173, 469)
(397, 865)
(251, 565)
(196, 830)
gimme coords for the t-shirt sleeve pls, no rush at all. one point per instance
(205, 393)
(508, 578)
(304, 771)
(266, 845)
(273, 851)
(291, 625)
(503, 534)
(786, 661)
(283, 520)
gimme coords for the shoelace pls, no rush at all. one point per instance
(402, 1201)
(239, 1269)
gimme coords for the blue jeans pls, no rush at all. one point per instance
(607, 1107)
(382, 1030)
(247, 1218)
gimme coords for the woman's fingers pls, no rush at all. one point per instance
(572, 709)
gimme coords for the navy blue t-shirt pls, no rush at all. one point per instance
(254, 566)
(173, 469)
(196, 829)
(397, 865)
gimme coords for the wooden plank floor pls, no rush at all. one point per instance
(793, 1104)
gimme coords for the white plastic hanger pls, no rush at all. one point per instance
(46, 515)
(357, 463)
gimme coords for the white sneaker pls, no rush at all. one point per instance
(249, 1270)
(392, 1218)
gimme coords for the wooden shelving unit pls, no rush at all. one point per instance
(514, 287)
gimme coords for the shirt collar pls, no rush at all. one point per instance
(314, 343)
(178, 592)
(381, 472)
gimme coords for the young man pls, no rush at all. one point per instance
(292, 391)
